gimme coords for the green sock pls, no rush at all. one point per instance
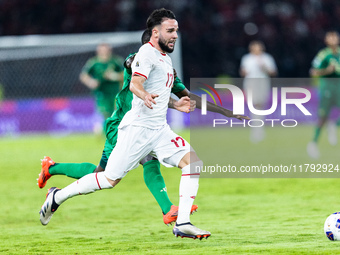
(317, 134)
(74, 170)
(155, 183)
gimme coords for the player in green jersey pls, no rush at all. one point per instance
(103, 74)
(152, 175)
(326, 65)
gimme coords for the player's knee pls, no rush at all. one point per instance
(189, 158)
(113, 182)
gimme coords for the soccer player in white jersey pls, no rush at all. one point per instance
(257, 67)
(144, 130)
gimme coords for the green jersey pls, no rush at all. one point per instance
(329, 88)
(124, 97)
(324, 58)
(107, 90)
(96, 69)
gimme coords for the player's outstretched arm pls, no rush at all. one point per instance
(136, 87)
(210, 106)
(322, 71)
(184, 104)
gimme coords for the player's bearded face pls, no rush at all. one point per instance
(168, 35)
(166, 45)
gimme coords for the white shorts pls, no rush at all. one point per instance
(135, 142)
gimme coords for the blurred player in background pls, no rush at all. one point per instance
(103, 74)
(152, 174)
(326, 65)
(257, 67)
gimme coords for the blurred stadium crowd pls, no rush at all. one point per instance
(215, 33)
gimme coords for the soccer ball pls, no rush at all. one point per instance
(332, 227)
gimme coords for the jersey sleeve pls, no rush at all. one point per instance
(143, 63)
(178, 86)
(88, 66)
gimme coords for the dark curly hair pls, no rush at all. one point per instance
(157, 17)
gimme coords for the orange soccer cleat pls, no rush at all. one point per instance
(44, 175)
(171, 216)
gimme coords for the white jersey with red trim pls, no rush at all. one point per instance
(157, 69)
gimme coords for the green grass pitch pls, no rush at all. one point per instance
(245, 215)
